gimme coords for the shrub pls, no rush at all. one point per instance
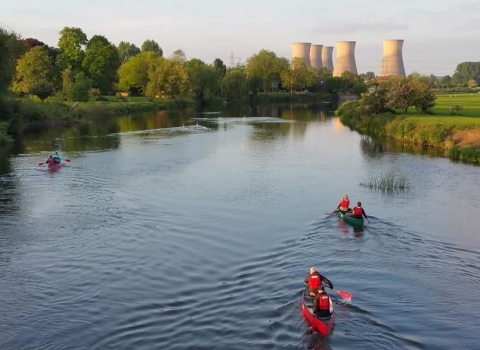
(456, 110)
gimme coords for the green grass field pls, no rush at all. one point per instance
(469, 102)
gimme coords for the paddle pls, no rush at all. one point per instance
(342, 293)
(333, 212)
(67, 160)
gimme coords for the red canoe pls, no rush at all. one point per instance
(54, 167)
(323, 325)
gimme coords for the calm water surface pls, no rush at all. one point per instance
(195, 231)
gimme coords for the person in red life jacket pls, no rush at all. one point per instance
(50, 161)
(314, 280)
(321, 304)
(358, 212)
(344, 204)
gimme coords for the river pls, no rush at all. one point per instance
(195, 231)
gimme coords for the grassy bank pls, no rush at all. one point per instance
(286, 97)
(457, 136)
(18, 114)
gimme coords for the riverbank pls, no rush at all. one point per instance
(457, 136)
(20, 114)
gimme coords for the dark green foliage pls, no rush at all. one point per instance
(42, 88)
(11, 49)
(79, 89)
(101, 63)
(466, 71)
(152, 46)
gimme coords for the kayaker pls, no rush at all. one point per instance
(358, 212)
(344, 204)
(314, 280)
(50, 161)
(56, 158)
(321, 303)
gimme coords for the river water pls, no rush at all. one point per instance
(195, 231)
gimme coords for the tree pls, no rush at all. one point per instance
(30, 43)
(133, 75)
(235, 84)
(79, 89)
(296, 76)
(71, 44)
(472, 83)
(10, 50)
(101, 63)
(167, 77)
(178, 56)
(374, 101)
(446, 80)
(204, 79)
(423, 96)
(334, 84)
(152, 45)
(466, 71)
(220, 67)
(267, 66)
(42, 88)
(36, 65)
(400, 93)
(370, 75)
(127, 51)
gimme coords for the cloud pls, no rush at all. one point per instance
(347, 28)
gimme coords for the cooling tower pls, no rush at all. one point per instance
(345, 58)
(302, 50)
(392, 62)
(316, 56)
(327, 61)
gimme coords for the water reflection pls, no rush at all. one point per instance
(375, 147)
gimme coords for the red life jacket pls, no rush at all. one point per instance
(358, 211)
(323, 302)
(50, 161)
(314, 281)
(345, 203)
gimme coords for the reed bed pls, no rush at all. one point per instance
(389, 181)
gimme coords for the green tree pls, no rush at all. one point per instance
(267, 66)
(152, 45)
(466, 71)
(235, 84)
(334, 84)
(101, 63)
(220, 67)
(127, 51)
(374, 101)
(71, 44)
(323, 74)
(79, 88)
(296, 76)
(424, 96)
(133, 75)
(11, 48)
(36, 65)
(370, 75)
(167, 77)
(204, 79)
(42, 88)
(400, 93)
(178, 56)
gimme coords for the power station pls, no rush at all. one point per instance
(327, 57)
(302, 50)
(316, 56)
(392, 61)
(319, 56)
(345, 60)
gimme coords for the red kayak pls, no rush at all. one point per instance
(54, 167)
(323, 325)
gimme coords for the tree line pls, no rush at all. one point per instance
(80, 68)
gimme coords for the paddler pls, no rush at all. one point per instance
(343, 205)
(321, 303)
(314, 280)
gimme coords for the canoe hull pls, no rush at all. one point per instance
(322, 325)
(53, 168)
(350, 220)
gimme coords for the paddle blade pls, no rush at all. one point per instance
(344, 294)
(67, 160)
(40, 164)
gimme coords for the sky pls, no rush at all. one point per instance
(438, 34)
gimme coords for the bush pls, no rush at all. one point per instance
(456, 110)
